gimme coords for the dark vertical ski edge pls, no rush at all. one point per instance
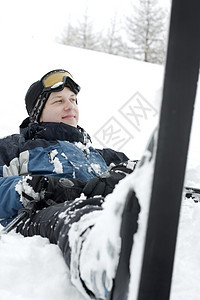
(179, 92)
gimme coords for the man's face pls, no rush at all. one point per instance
(61, 107)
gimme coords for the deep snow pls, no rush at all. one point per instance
(31, 268)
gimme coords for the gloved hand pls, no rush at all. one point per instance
(42, 191)
(63, 189)
(104, 184)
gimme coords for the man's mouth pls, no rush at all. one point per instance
(68, 117)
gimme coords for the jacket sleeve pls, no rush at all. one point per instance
(9, 199)
(9, 176)
(112, 157)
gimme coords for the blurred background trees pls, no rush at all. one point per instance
(141, 35)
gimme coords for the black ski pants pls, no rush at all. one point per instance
(55, 221)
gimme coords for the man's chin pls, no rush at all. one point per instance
(70, 122)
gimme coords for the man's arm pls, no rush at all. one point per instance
(9, 199)
(112, 157)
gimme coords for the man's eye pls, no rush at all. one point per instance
(73, 99)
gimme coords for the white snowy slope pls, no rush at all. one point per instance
(117, 94)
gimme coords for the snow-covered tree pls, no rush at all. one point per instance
(112, 42)
(81, 34)
(147, 32)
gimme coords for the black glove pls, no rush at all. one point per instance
(63, 189)
(104, 184)
(40, 191)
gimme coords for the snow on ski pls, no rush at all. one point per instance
(179, 92)
(128, 228)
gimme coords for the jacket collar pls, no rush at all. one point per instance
(53, 131)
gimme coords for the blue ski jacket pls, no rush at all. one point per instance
(49, 149)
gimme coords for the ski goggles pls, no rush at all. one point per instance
(58, 79)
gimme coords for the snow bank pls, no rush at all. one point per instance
(32, 268)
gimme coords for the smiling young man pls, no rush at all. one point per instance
(62, 107)
(46, 168)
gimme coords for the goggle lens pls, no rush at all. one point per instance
(57, 79)
(53, 78)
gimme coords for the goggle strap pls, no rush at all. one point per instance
(38, 108)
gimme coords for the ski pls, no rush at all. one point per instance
(23, 215)
(179, 92)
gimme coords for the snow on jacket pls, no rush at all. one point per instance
(49, 149)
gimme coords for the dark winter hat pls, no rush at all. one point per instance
(38, 93)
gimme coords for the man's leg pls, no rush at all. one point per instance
(89, 238)
(108, 246)
(55, 223)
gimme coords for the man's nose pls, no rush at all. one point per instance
(68, 104)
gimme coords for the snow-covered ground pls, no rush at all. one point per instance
(119, 106)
